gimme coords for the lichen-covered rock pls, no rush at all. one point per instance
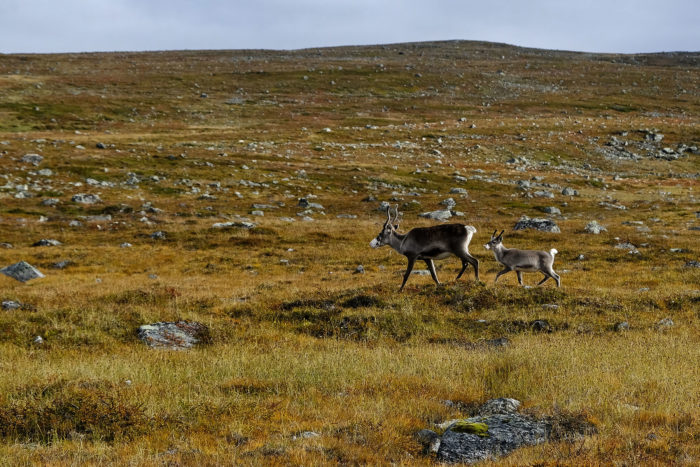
(497, 430)
(545, 225)
(174, 335)
(22, 271)
(503, 434)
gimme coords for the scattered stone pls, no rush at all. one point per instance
(550, 306)
(692, 264)
(22, 271)
(174, 335)
(665, 324)
(544, 194)
(501, 405)
(420, 272)
(458, 191)
(47, 242)
(257, 213)
(11, 305)
(38, 340)
(359, 270)
(7, 246)
(125, 245)
(234, 225)
(545, 225)
(306, 435)
(101, 146)
(569, 192)
(50, 202)
(497, 430)
(346, 216)
(678, 250)
(541, 325)
(622, 326)
(85, 198)
(593, 227)
(62, 264)
(627, 246)
(97, 218)
(553, 210)
(34, 159)
(429, 439)
(304, 203)
(158, 235)
(449, 202)
(442, 215)
(612, 206)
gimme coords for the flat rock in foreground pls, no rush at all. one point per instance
(498, 429)
(22, 271)
(174, 335)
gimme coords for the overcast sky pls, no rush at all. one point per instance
(625, 26)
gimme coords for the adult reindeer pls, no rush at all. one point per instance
(428, 244)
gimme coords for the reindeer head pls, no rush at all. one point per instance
(387, 230)
(495, 240)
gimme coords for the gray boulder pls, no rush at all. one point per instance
(593, 227)
(545, 225)
(34, 159)
(569, 192)
(174, 335)
(553, 210)
(11, 305)
(235, 225)
(85, 198)
(21, 271)
(47, 242)
(441, 215)
(449, 203)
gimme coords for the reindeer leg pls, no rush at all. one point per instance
(466, 261)
(546, 276)
(500, 273)
(520, 277)
(409, 268)
(431, 268)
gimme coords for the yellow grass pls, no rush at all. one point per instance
(291, 349)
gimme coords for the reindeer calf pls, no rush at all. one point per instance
(522, 260)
